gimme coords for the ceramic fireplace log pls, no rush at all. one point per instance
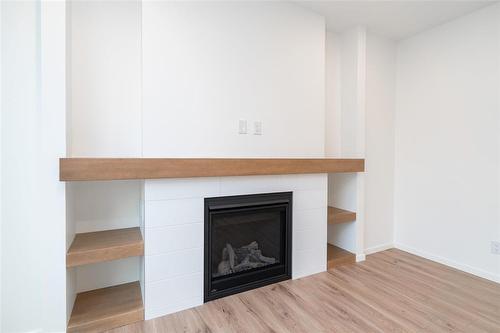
(243, 258)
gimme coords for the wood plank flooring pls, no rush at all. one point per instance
(392, 291)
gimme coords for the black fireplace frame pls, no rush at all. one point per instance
(277, 273)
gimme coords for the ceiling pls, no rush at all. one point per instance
(393, 19)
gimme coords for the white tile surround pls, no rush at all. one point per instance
(174, 232)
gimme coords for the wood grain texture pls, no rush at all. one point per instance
(337, 215)
(103, 309)
(81, 169)
(337, 256)
(392, 291)
(92, 247)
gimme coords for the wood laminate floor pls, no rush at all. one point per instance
(392, 291)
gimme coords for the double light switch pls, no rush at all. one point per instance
(243, 128)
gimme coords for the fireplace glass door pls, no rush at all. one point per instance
(247, 242)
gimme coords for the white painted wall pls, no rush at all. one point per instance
(105, 83)
(379, 153)
(207, 65)
(352, 87)
(447, 143)
(71, 287)
(333, 95)
(105, 205)
(33, 137)
(345, 131)
(51, 146)
(19, 100)
(1, 188)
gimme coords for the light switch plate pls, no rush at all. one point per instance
(257, 128)
(495, 247)
(242, 126)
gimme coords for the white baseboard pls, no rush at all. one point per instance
(360, 257)
(448, 262)
(378, 248)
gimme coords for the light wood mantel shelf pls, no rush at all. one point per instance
(86, 169)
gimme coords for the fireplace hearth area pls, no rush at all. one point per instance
(247, 242)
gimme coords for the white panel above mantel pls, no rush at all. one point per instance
(104, 79)
(174, 228)
(206, 66)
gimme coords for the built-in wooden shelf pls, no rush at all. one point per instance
(337, 256)
(81, 169)
(337, 215)
(102, 309)
(92, 247)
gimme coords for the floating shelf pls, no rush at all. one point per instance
(93, 247)
(337, 215)
(337, 256)
(81, 169)
(102, 309)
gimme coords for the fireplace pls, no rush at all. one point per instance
(248, 242)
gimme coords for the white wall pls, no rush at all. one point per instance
(379, 155)
(33, 133)
(345, 131)
(51, 146)
(105, 79)
(447, 143)
(1, 188)
(352, 87)
(19, 101)
(333, 96)
(101, 205)
(207, 65)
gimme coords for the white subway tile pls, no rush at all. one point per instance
(163, 189)
(173, 238)
(172, 307)
(172, 212)
(317, 181)
(173, 292)
(309, 262)
(172, 264)
(309, 199)
(252, 185)
(303, 219)
(308, 238)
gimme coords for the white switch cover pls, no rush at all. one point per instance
(495, 247)
(257, 128)
(242, 126)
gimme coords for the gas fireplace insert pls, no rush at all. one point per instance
(248, 242)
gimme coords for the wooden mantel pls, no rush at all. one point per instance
(81, 169)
